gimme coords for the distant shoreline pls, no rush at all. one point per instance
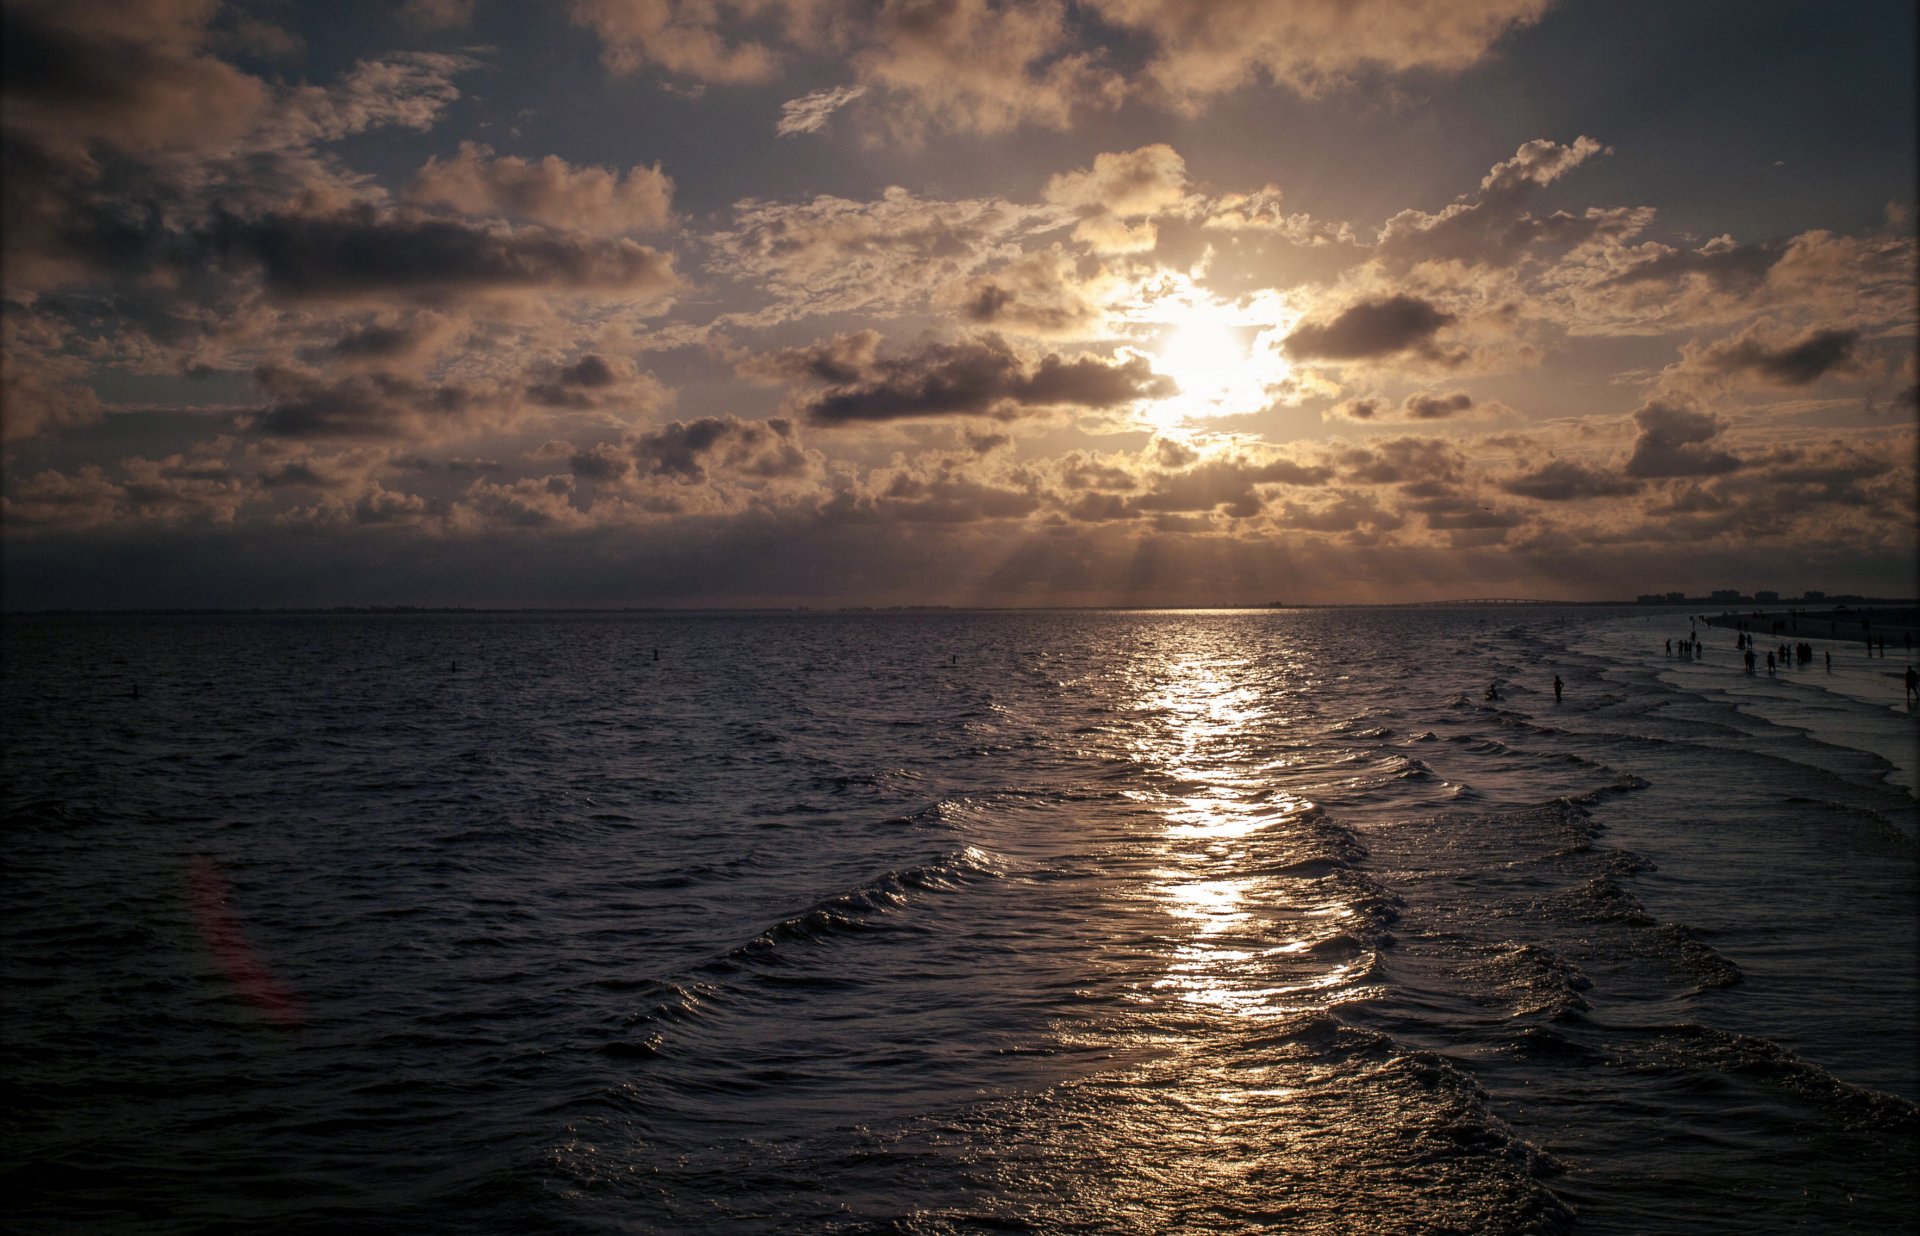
(1887, 612)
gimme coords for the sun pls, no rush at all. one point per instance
(1203, 357)
(1217, 358)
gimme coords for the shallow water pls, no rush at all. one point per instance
(932, 922)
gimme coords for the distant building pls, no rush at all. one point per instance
(1724, 596)
(1676, 598)
(1811, 595)
(1766, 598)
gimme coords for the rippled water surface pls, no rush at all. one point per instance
(941, 922)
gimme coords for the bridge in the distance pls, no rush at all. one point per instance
(1478, 601)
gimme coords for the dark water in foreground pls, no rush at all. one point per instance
(1055, 922)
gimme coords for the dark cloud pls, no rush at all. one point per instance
(131, 73)
(582, 384)
(361, 252)
(1400, 461)
(1495, 228)
(1677, 441)
(983, 377)
(688, 450)
(1346, 513)
(1372, 329)
(1424, 407)
(1725, 265)
(838, 361)
(305, 404)
(1420, 406)
(1567, 480)
(1224, 485)
(1794, 364)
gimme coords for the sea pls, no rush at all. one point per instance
(953, 922)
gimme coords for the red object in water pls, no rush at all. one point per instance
(236, 958)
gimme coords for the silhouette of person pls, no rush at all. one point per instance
(1829, 660)
(1559, 686)
(1493, 690)
(1769, 663)
(1913, 684)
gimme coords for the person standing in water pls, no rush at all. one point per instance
(1559, 686)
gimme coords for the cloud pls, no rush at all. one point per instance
(1798, 363)
(1722, 263)
(1495, 228)
(593, 381)
(1230, 486)
(983, 377)
(811, 113)
(1147, 181)
(409, 90)
(1403, 461)
(306, 404)
(1568, 480)
(680, 37)
(1419, 406)
(1675, 440)
(980, 67)
(690, 450)
(130, 73)
(835, 255)
(1040, 294)
(362, 252)
(1373, 329)
(1136, 184)
(595, 200)
(1207, 47)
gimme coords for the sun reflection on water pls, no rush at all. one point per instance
(1258, 920)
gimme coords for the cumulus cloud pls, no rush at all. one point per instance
(1207, 47)
(983, 377)
(690, 450)
(596, 200)
(1675, 440)
(1798, 362)
(594, 381)
(1419, 406)
(691, 39)
(1403, 461)
(1374, 330)
(307, 404)
(363, 252)
(980, 66)
(836, 255)
(1233, 486)
(1495, 227)
(1134, 185)
(1040, 294)
(131, 73)
(1568, 480)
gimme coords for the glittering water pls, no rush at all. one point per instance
(951, 922)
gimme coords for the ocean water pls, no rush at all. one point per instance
(947, 922)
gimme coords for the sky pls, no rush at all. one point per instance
(954, 302)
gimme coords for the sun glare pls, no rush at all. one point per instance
(1218, 359)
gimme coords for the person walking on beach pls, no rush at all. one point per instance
(1558, 686)
(1913, 685)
